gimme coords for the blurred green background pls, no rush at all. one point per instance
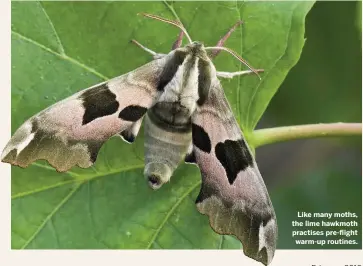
(318, 175)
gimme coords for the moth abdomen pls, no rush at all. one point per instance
(157, 173)
(164, 149)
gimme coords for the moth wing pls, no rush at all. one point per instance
(72, 131)
(233, 193)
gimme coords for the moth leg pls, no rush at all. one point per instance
(230, 75)
(221, 42)
(178, 41)
(154, 54)
(129, 134)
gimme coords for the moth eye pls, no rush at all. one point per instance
(154, 181)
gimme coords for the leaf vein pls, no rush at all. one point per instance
(98, 174)
(220, 246)
(54, 232)
(171, 8)
(181, 234)
(50, 215)
(61, 48)
(41, 189)
(170, 212)
(47, 167)
(62, 56)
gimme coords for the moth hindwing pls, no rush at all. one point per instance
(186, 115)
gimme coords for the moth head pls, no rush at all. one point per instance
(197, 46)
(157, 174)
(195, 49)
(192, 68)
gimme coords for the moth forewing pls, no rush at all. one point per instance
(129, 135)
(72, 131)
(232, 193)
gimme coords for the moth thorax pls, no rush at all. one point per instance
(171, 114)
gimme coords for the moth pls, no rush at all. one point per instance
(186, 116)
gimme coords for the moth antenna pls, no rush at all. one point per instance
(169, 21)
(236, 56)
(143, 47)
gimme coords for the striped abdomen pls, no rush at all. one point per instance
(167, 138)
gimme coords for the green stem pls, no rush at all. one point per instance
(272, 135)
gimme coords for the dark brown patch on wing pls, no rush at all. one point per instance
(132, 113)
(243, 222)
(206, 192)
(35, 126)
(11, 156)
(98, 102)
(170, 69)
(190, 158)
(61, 153)
(251, 228)
(128, 136)
(263, 255)
(201, 138)
(93, 149)
(234, 156)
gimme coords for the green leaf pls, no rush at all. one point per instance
(59, 48)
